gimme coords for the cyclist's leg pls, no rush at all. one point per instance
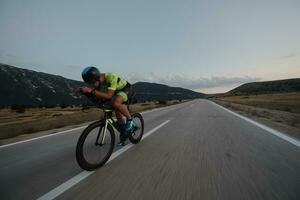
(117, 103)
(121, 123)
(119, 117)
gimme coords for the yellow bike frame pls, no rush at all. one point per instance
(110, 121)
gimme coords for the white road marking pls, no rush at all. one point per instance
(159, 109)
(270, 130)
(81, 127)
(79, 177)
(155, 109)
(125, 148)
(65, 186)
(45, 136)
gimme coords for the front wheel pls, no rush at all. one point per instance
(138, 131)
(95, 146)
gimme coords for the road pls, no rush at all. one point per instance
(197, 151)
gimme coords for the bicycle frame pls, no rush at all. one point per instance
(105, 125)
(108, 120)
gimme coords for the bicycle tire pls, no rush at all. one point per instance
(131, 137)
(81, 160)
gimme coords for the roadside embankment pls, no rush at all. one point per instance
(13, 124)
(280, 111)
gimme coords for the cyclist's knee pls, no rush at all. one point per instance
(119, 115)
(117, 102)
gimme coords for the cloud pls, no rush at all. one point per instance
(9, 55)
(4, 54)
(291, 55)
(192, 83)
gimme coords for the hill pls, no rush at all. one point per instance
(22, 86)
(266, 87)
(154, 91)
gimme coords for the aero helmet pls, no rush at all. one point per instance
(90, 74)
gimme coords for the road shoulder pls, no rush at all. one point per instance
(286, 122)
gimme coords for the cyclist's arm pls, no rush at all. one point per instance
(113, 82)
(104, 95)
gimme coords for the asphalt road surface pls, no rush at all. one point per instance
(196, 150)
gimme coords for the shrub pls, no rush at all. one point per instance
(63, 105)
(18, 108)
(162, 102)
(133, 100)
(57, 114)
(49, 106)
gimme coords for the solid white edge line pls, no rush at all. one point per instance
(81, 127)
(125, 148)
(65, 186)
(41, 137)
(79, 177)
(270, 130)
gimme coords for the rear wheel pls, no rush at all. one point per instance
(138, 132)
(91, 153)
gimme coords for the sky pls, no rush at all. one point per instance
(208, 46)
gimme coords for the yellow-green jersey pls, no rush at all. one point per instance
(115, 83)
(112, 82)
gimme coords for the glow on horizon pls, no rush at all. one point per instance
(209, 46)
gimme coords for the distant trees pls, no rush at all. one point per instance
(49, 105)
(133, 100)
(18, 108)
(63, 105)
(162, 101)
(21, 108)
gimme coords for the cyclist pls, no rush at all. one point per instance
(109, 86)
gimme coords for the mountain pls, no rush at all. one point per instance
(153, 91)
(267, 87)
(22, 86)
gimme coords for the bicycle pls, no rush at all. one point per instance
(96, 143)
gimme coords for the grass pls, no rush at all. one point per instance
(289, 102)
(281, 108)
(33, 120)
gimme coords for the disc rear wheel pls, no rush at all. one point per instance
(138, 132)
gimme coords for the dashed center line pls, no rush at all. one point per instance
(81, 176)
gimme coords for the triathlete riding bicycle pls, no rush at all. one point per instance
(109, 86)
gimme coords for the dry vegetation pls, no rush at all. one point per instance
(289, 102)
(278, 109)
(38, 119)
(35, 119)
